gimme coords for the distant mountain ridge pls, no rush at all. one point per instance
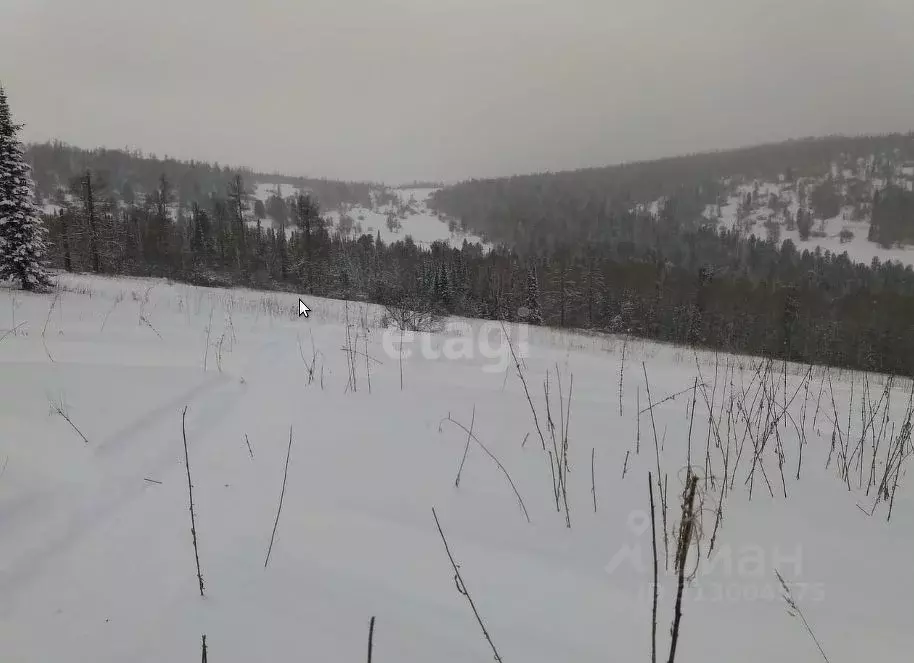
(125, 174)
(583, 205)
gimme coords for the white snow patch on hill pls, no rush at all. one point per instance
(859, 248)
(413, 218)
(263, 191)
(96, 562)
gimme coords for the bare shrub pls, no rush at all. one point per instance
(412, 314)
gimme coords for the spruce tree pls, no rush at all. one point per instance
(22, 234)
(534, 316)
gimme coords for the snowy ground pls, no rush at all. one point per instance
(96, 561)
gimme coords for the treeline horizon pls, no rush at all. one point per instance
(697, 286)
(573, 205)
(129, 173)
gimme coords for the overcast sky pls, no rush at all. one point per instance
(396, 90)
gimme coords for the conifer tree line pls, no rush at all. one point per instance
(575, 205)
(22, 234)
(647, 275)
(703, 287)
(128, 175)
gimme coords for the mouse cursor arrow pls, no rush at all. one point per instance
(303, 309)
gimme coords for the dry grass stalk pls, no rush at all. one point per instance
(190, 495)
(462, 588)
(501, 467)
(687, 530)
(656, 589)
(282, 493)
(370, 638)
(794, 611)
(663, 501)
(466, 449)
(520, 374)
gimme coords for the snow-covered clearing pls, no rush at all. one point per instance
(826, 232)
(96, 560)
(414, 217)
(263, 191)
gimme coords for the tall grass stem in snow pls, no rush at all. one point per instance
(282, 493)
(190, 495)
(370, 638)
(501, 467)
(462, 588)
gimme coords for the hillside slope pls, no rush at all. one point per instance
(97, 557)
(582, 205)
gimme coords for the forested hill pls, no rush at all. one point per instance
(580, 205)
(126, 175)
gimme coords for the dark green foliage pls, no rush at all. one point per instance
(825, 201)
(22, 234)
(893, 216)
(804, 223)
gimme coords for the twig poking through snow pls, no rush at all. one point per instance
(282, 492)
(650, 488)
(146, 322)
(794, 610)
(209, 327)
(117, 300)
(401, 359)
(466, 449)
(593, 482)
(520, 374)
(462, 588)
(492, 456)
(370, 638)
(663, 503)
(12, 331)
(190, 495)
(686, 532)
(45, 328)
(60, 409)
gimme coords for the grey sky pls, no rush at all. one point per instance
(447, 89)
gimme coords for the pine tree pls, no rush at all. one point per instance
(22, 234)
(534, 316)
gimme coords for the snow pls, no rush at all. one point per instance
(96, 562)
(859, 248)
(418, 222)
(264, 190)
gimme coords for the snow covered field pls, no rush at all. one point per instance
(96, 558)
